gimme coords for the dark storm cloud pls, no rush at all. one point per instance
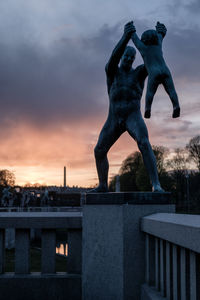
(181, 48)
(194, 7)
(172, 133)
(65, 82)
(178, 9)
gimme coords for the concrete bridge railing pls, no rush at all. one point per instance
(128, 239)
(22, 283)
(172, 256)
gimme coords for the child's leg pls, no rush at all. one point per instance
(170, 89)
(152, 86)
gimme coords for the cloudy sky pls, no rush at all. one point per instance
(52, 82)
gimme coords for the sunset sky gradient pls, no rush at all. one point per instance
(53, 86)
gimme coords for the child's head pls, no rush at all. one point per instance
(150, 37)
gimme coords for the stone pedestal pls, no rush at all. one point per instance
(113, 246)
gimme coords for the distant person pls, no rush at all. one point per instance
(6, 196)
(45, 198)
(125, 86)
(150, 47)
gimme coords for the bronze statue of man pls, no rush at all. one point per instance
(125, 86)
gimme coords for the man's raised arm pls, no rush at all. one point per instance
(119, 49)
(161, 30)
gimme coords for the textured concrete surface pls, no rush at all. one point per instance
(149, 293)
(114, 248)
(180, 229)
(102, 269)
(134, 246)
(48, 258)
(41, 219)
(22, 248)
(44, 287)
(74, 261)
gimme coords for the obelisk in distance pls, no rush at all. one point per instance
(64, 177)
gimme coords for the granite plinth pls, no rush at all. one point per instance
(113, 244)
(128, 198)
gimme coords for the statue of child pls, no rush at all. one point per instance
(150, 47)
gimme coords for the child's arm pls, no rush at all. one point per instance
(119, 49)
(137, 42)
(161, 30)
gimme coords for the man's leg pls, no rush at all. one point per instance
(170, 89)
(138, 130)
(108, 136)
(152, 86)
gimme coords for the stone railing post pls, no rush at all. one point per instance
(74, 261)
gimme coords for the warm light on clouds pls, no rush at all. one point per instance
(38, 156)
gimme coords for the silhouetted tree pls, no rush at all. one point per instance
(193, 148)
(128, 173)
(134, 176)
(174, 174)
(178, 166)
(194, 192)
(160, 153)
(178, 163)
(7, 178)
